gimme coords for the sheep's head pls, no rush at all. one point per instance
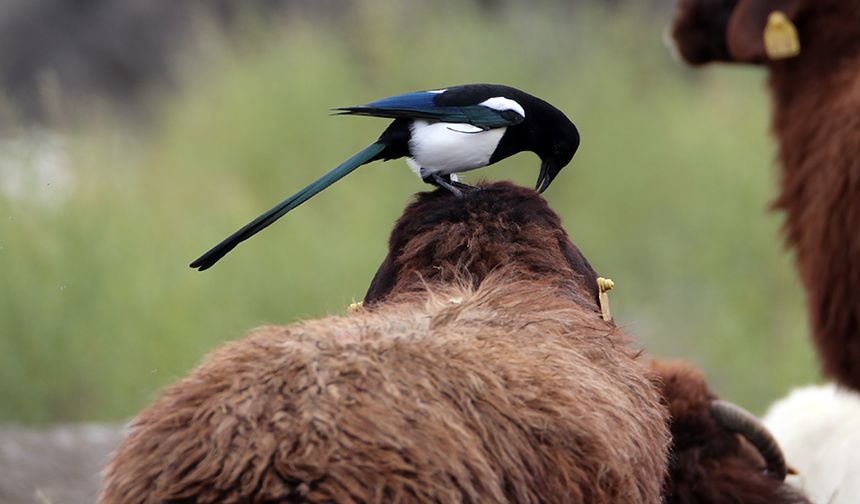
(718, 449)
(762, 31)
(500, 228)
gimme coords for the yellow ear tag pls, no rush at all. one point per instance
(780, 37)
(604, 285)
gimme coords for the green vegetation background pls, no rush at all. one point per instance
(668, 196)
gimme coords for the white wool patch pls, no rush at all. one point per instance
(818, 428)
(445, 148)
(501, 103)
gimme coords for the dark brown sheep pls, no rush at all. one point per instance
(710, 462)
(481, 372)
(816, 117)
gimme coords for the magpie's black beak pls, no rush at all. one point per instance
(548, 171)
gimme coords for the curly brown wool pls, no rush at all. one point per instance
(480, 371)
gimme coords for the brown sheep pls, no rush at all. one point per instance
(816, 117)
(481, 372)
(709, 461)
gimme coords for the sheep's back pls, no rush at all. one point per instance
(455, 401)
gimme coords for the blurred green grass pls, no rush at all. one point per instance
(667, 196)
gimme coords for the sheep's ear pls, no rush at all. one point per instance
(383, 281)
(755, 22)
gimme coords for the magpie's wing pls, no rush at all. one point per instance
(437, 106)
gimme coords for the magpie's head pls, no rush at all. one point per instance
(556, 146)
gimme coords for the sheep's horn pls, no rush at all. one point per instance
(736, 419)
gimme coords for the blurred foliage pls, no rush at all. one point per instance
(668, 196)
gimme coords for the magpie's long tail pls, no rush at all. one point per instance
(370, 153)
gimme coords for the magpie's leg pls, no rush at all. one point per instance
(456, 188)
(452, 179)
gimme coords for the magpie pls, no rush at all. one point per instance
(440, 133)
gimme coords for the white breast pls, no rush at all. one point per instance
(450, 147)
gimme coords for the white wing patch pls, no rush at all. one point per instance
(501, 103)
(438, 91)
